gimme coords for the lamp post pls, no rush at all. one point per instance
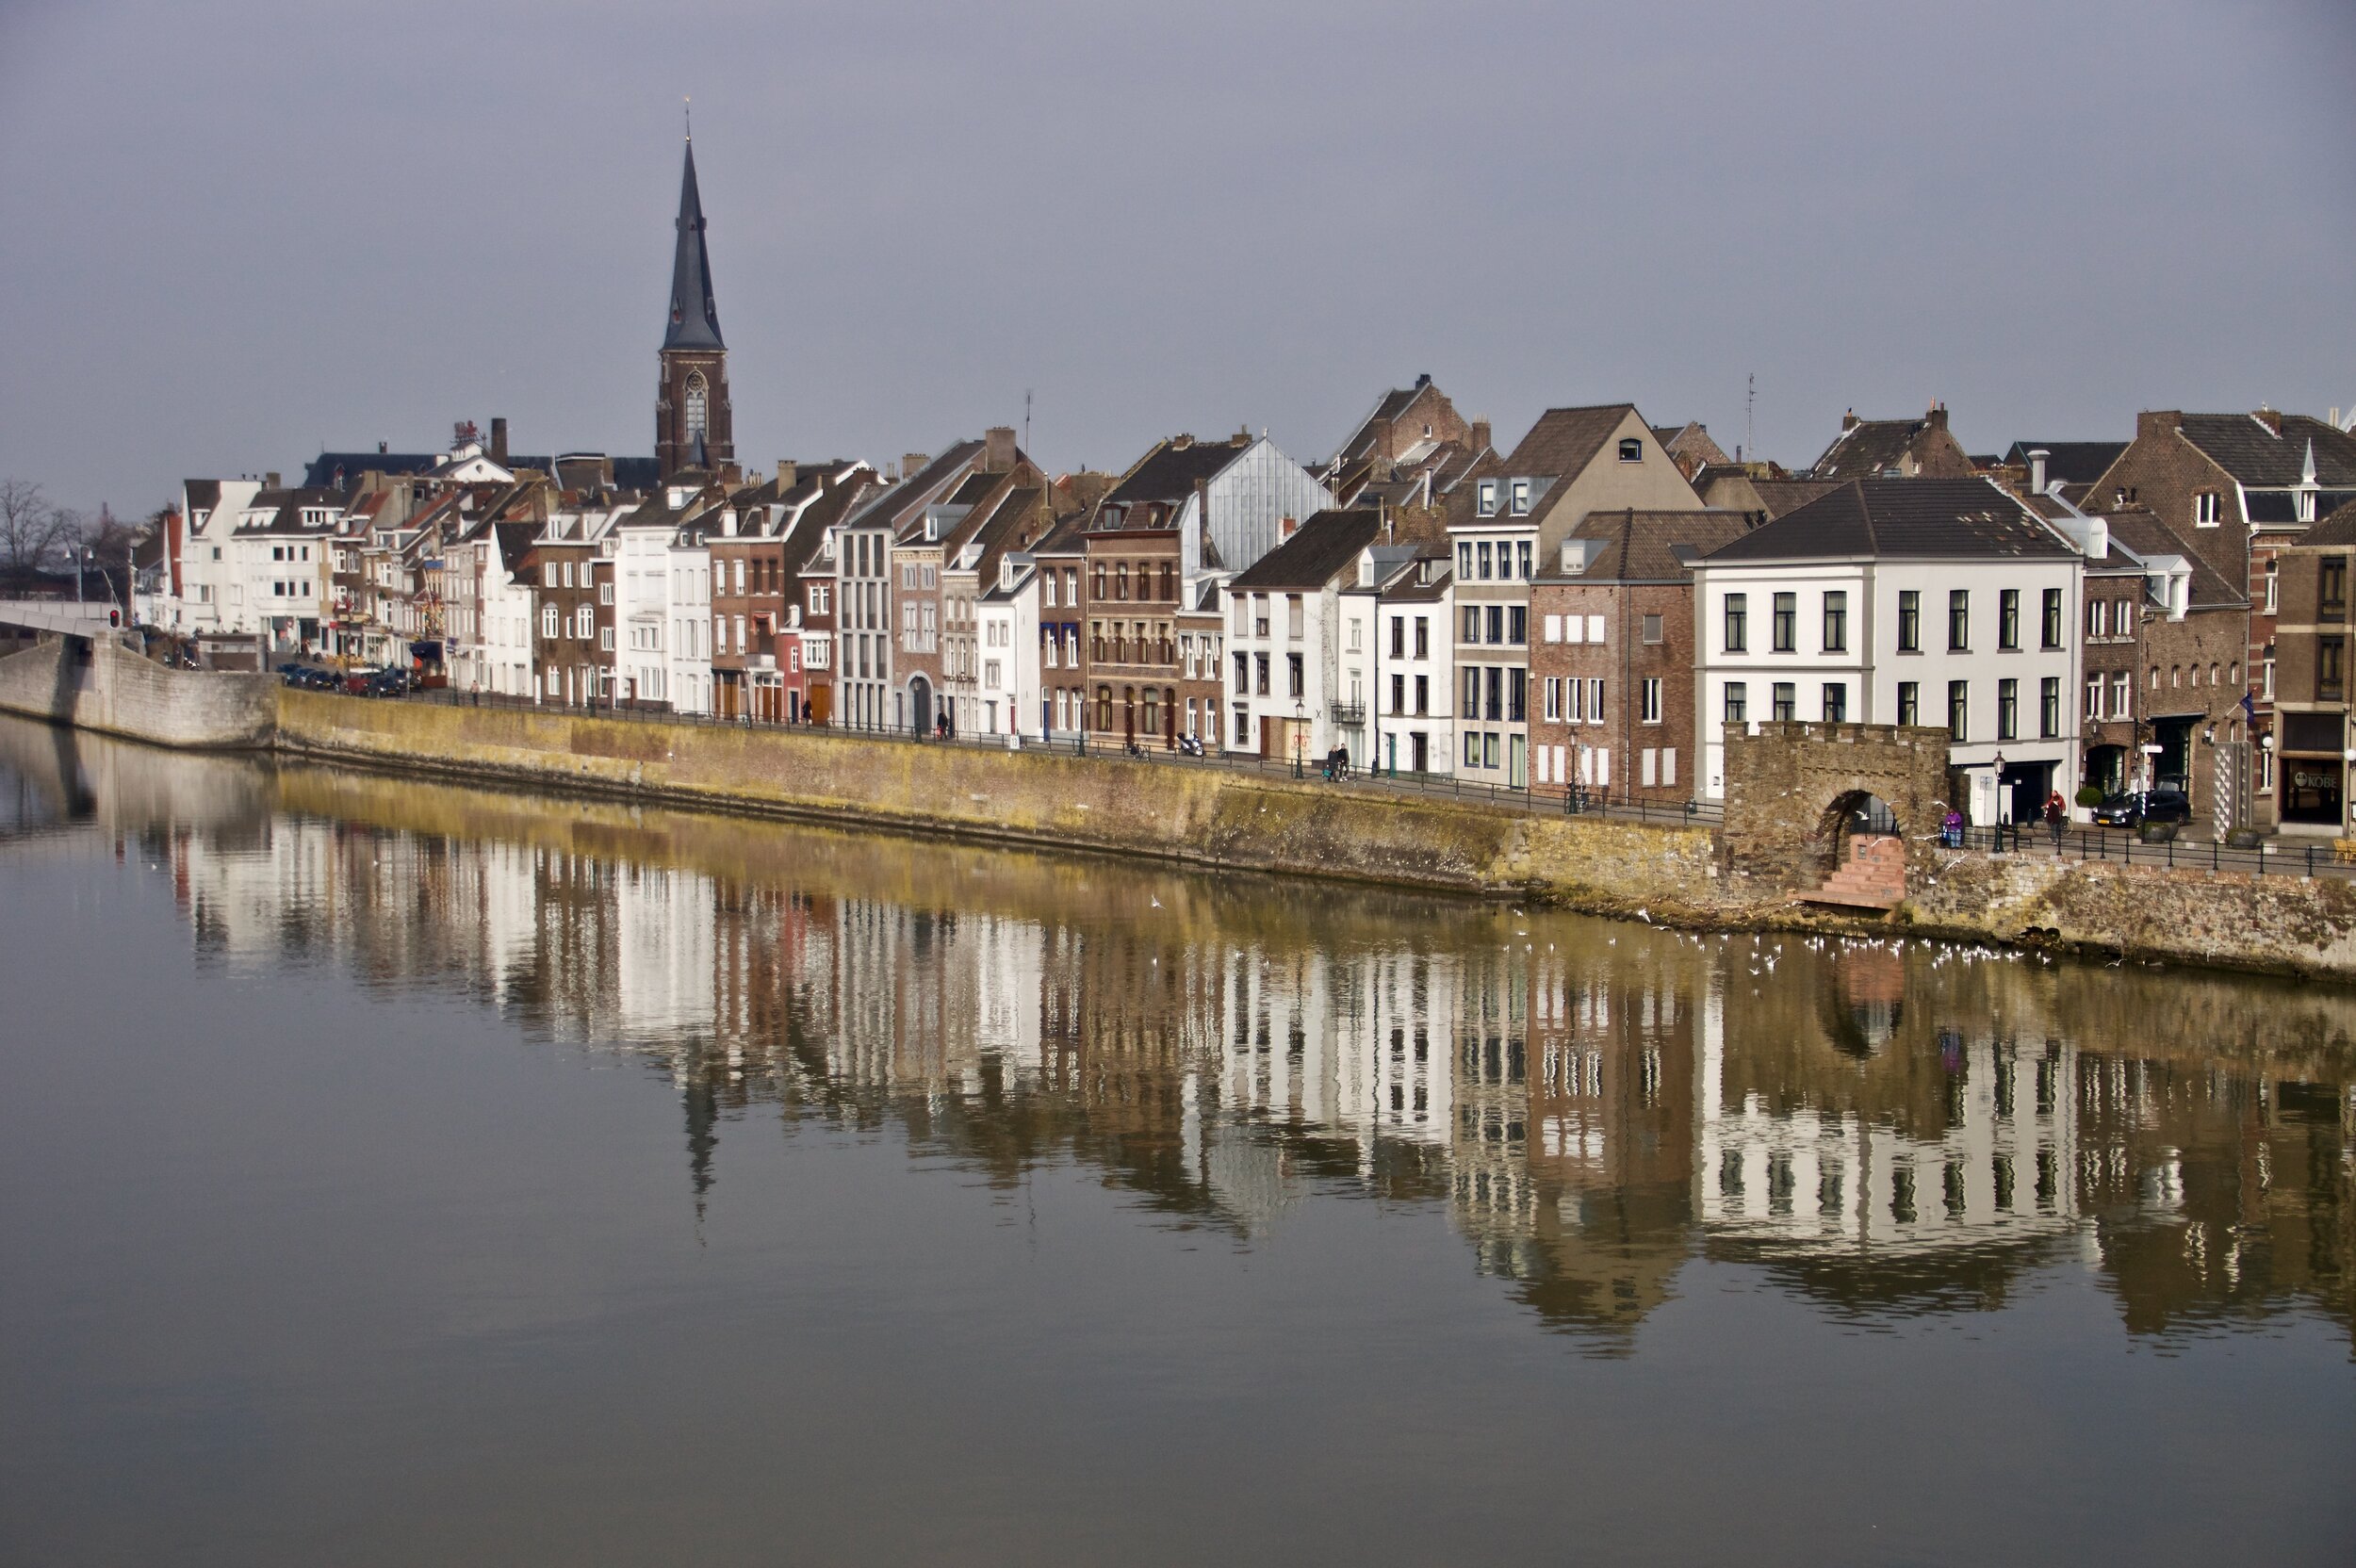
(1300, 735)
(2002, 814)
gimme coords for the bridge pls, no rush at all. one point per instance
(55, 615)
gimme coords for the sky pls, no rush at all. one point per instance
(234, 234)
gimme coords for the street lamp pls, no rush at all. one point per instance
(2002, 814)
(1301, 734)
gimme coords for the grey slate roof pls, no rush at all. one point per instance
(1923, 518)
(2071, 461)
(1867, 448)
(2339, 528)
(1318, 548)
(1566, 440)
(2145, 534)
(1169, 472)
(695, 318)
(2255, 455)
(1642, 547)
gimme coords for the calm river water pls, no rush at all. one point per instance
(396, 1173)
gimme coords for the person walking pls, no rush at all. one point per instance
(2056, 816)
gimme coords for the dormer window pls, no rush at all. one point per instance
(1632, 449)
(1521, 498)
(1486, 500)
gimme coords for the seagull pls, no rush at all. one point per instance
(1157, 902)
(1645, 915)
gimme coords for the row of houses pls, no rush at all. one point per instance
(1584, 610)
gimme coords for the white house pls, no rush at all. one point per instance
(1007, 626)
(1286, 694)
(1396, 650)
(1919, 601)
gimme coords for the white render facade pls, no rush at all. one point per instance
(1984, 646)
(1006, 627)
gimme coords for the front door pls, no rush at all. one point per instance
(1517, 752)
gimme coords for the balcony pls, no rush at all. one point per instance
(1350, 715)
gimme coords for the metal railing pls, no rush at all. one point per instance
(2127, 846)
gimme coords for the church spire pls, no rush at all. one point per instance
(695, 318)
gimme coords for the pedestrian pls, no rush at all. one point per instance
(2056, 815)
(1951, 828)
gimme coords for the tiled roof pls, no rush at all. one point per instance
(2337, 528)
(1925, 519)
(203, 493)
(1169, 472)
(2071, 461)
(1318, 548)
(2245, 446)
(1642, 547)
(1865, 449)
(2145, 534)
(1566, 440)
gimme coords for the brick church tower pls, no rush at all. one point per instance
(693, 425)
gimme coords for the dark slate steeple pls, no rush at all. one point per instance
(695, 318)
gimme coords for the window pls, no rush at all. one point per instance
(548, 573)
(1423, 637)
(1521, 498)
(1481, 556)
(1594, 630)
(1552, 694)
(1787, 623)
(1631, 449)
(1423, 695)
(1738, 635)
(1909, 702)
(1521, 552)
(2331, 587)
(2330, 656)
(1294, 678)
(1554, 628)
(1399, 694)
(2050, 621)
(1472, 623)
(1958, 711)
(1837, 622)
(1472, 692)
(1464, 562)
(1652, 629)
(2205, 510)
(1356, 630)
(697, 412)
(1494, 679)
(1472, 750)
(2094, 698)
(1737, 704)
(2008, 620)
(1958, 620)
(1909, 621)
(1648, 700)
(1496, 624)
(1486, 500)
(2122, 695)
(2008, 709)
(547, 621)
(605, 638)
(2273, 583)
(1516, 626)
(1836, 702)
(1399, 636)
(1786, 702)
(2049, 706)
(605, 593)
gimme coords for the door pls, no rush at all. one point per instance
(1419, 753)
(921, 705)
(1517, 764)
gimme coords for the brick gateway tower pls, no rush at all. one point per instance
(694, 427)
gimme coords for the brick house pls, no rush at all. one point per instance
(1894, 448)
(1611, 662)
(2237, 488)
(2312, 635)
(1409, 451)
(1061, 561)
(1574, 460)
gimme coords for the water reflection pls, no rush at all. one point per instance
(1884, 1129)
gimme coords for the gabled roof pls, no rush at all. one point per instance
(2249, 448)
(1318, 549)
(905, 501)
(2146, 537)
(204, 494)
(2070, 462)
(1920, 518)
(1566, 440)
(695, 321)
(1870, 447)
(1644, 547)
(2337, 528)
(1169, 472)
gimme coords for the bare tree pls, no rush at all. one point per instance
(107, 540)
(34, 536)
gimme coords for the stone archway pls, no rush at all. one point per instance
(920, 705)
(1794, 792)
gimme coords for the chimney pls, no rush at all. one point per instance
(2036, 469)
(1480, 439)
(1287, 527)
(2157, 424)
(2269, 418)
(1241, 438)
(1181, 442)
(998, 449)
(381, 446)
(1937, 417)
(1848, 421)
(1423, 381)
(269, 480)
(789, 475)
(499, 439)
(913, 465)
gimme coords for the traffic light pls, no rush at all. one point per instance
(114, 617)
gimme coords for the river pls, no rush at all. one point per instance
(393, 1172)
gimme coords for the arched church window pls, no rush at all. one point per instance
(697, 426)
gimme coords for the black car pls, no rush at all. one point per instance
(2137, 807)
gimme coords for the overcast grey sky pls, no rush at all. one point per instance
(232, 234)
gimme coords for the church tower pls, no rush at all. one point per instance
(693, 426)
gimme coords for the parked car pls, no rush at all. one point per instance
(2134, 807)
(387, 684)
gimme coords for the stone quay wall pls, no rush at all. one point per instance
(98, 683)
(1216, 817)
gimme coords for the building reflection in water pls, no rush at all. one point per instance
(1882, 1129)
